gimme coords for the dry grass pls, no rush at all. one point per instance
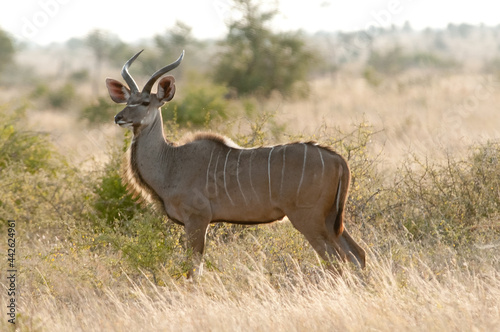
(256, 282)
(77, 292)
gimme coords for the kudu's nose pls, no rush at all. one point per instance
(118, 117)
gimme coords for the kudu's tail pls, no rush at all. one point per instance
(335, 219)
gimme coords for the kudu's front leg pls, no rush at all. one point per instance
(196, 229)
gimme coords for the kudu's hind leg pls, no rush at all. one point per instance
(314, 230)
(355, 254)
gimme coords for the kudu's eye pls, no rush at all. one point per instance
(145, 103)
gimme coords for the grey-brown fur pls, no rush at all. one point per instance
(210, 179)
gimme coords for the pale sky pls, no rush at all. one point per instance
(46, 21)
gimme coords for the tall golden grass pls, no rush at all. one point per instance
(77, 292)
(270, 278)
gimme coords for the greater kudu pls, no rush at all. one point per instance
(210, 179)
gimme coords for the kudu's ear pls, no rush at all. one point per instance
(166, 89)
(118, 92)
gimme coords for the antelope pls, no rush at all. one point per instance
(210, 179)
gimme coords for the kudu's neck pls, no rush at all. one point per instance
(148, 158)
(150, 140)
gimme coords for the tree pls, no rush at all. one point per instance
(174, 40)
(105, 47)
(6, 50)
(256, 60)
(172, 43)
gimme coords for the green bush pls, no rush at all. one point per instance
(396, 61)
(61, 97)
(57, 98)
(7, 50)
(372, 76)
(41, 90)
(30, 149)
(112, 206)
(151, 245)
(201, 103)
(38, 186)
(447, 200)
(101, 112)
(80, 76)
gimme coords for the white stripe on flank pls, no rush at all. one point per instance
(238, 177)
(208, 168)
(250, 173)
(269, 171)
(282, 171)
(338, 194)
(225, 183)
(215, 174)
(322, 164)
(338, 191)
(303, 169)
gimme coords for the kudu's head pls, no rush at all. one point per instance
(142, 106)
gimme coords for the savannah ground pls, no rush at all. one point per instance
(424, 202)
